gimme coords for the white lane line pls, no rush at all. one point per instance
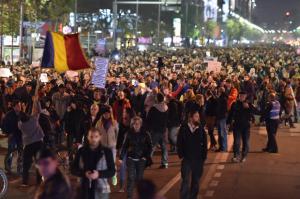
(170, 184)
(218, 175)
(219, 157)
(220, 167)
(209, 193)
(206, 179)
(214, 183)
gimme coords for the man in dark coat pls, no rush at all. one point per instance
(192, 150)
(55, 185)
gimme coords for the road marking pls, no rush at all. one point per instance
(214, 183)
(207, 178)
(218, 175)
(209, 193)
(212, 169)
(220, 167)
(169, 185)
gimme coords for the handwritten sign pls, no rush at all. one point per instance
(100, 73)
(214, 66)
(5, 72)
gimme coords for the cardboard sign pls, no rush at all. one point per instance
(100, 73)
(214, 66)
(5, 72)
(44, 78)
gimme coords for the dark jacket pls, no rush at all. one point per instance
(56, 187)
(221, 110)
(211, 107)
(192, 146)
(157, 118)
(137, 146)
(175, 113)
(73, 121)
(241, 116)
(87, 159)
(10, 124)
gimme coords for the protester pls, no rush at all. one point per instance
(109, 130)
(157, 119)
(10, 127)
(221, 117)
(137, 148)
(272, 121)
(55, 184)
(191, 136)
(32, 137)
(241, 114)
(94, 164)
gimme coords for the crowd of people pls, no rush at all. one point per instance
(147, 105)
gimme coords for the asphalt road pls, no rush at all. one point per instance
(262, 176)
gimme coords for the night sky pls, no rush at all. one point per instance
(271, 13)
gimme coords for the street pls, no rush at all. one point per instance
(263, 175)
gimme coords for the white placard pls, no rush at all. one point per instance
(5, 72)
(99, 75)
(44, 78)
(214, 66)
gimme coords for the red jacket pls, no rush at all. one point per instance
(119, 107)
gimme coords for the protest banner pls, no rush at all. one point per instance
(214, 66)
(99, 75)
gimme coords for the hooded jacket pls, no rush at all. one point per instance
(157, 118)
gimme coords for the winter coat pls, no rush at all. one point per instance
(56, 187)
(157, 118)
(110, 136)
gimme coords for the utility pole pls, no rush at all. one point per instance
(158, 24)
(21, 30)
(75, 16)
(137, 18)
(115, 12)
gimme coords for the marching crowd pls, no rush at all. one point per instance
(147, 105)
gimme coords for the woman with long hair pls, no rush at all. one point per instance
(109, 130)
(137, 149)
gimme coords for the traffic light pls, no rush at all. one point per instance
(287, 14)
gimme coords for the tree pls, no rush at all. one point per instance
(234, 30)
(210, 27)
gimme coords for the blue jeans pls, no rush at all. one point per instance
(14, 143)
(158, 138)
(173, 132)
(191, 172)
(99, 195)
(123, 168)
(222, 132)
(238, 134)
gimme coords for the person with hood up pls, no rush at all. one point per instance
(157, 119)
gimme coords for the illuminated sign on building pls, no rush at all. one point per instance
(210, 10)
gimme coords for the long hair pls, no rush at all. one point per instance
(112, 119)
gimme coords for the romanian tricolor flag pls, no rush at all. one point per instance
(63, 52)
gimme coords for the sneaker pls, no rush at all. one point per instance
(163, 166)
(243, 159)
(122, 190)
(114, 180)
(213, 148)
(235, 160)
